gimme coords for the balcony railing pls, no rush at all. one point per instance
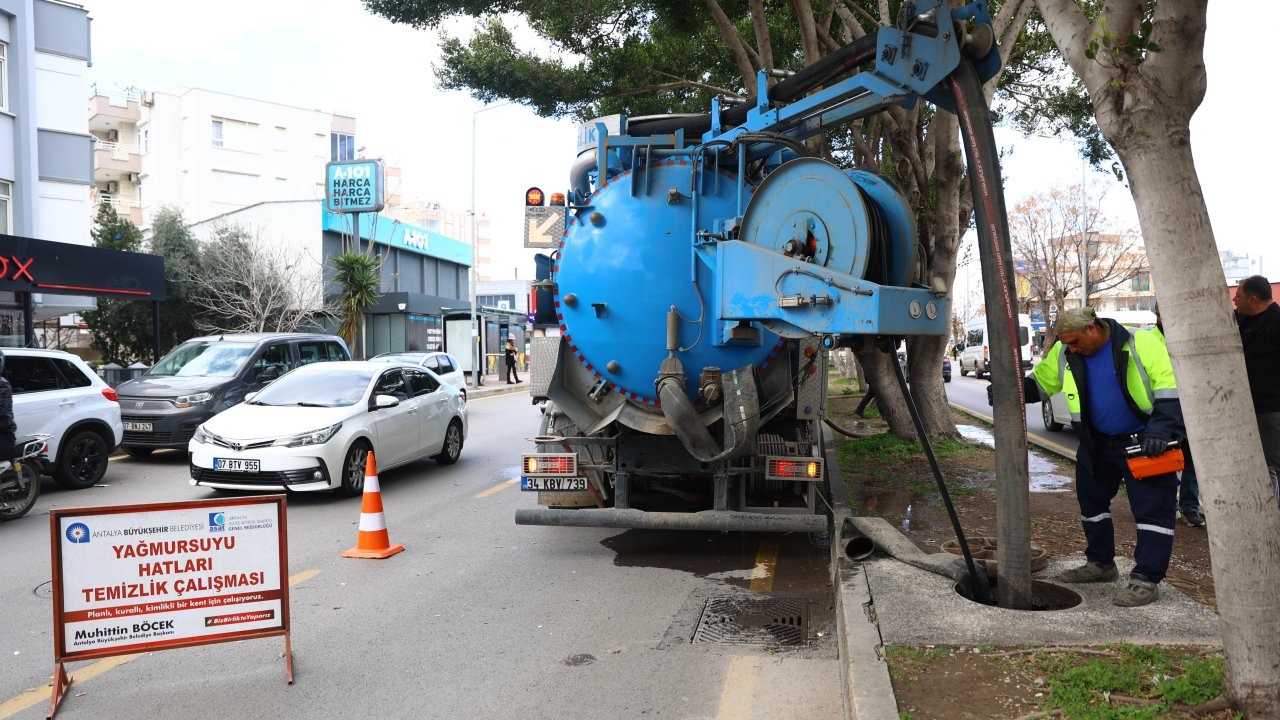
(118, 151)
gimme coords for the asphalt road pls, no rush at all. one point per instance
(970, 394)
(478, 618)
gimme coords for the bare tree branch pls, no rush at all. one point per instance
(735, 44)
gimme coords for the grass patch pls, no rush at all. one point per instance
(1110, 682)
(886, 448)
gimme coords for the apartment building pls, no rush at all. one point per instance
(45, 171)
(228, 160)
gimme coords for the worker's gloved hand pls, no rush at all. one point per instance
(1153, 445)
(990, 396)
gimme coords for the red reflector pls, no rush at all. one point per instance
(793, 469)
(550, 465)
(110, 394)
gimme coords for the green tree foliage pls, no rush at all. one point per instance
(121, 329)
(360, 278)
(639, 58)
(172, 240)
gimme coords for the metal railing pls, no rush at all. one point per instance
(119, 151)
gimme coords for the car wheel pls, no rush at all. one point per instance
(136, 451)
(83, 460)
(1046, 412)
(452, 445)
(353, 469)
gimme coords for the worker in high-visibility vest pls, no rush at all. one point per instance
(1120, 390)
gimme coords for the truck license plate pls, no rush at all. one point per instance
(547, 484)
(235, 465)
(137, 426)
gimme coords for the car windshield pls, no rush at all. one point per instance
(317, 386)
(204, 358)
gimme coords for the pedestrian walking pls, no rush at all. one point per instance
(1188, 485)
(1259, 321)
(510, 352)
(1119, 384)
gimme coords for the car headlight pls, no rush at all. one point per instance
(186, 401)
(315, 437)
(200, 436)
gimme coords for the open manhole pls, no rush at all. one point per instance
(743, 621)
(1044, 595)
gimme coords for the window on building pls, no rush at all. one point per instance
(1142, 282)
(342, 147)
(4, 76)
(6, 206)
(236, 135)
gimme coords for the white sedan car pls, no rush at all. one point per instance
(443, 365)
(312, 429)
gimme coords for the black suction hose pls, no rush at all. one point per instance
(977, 583)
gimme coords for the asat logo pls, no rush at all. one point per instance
(217, 521)
(78, 533)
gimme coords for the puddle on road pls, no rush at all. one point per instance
(1043, 474)
(905, 506)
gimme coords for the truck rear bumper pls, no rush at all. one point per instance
(713, 520)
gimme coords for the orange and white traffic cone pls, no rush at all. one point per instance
(372, 540)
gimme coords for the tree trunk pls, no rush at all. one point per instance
(1239, 502)
(1144, 109)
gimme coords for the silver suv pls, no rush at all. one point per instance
(56, 392)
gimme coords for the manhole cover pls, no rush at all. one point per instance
(741, 621)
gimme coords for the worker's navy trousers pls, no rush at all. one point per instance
(1153, 501)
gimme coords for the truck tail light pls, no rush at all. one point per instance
(793, 468)
(549, 464)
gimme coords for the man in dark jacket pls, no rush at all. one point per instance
(1119, 384)
(1259, 320)
(8, 426)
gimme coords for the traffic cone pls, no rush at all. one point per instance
(372, 540)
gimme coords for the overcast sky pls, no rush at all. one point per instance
(334, 56)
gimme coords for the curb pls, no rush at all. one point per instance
(868, 689)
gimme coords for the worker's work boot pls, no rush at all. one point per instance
(1090, 572)
(1137, 592)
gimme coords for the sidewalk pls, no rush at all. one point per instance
(495, 384)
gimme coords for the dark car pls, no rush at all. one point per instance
(206, 375)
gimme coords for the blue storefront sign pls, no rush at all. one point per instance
(354, 186)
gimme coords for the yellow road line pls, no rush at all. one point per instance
(500, 486)
(34, 696)
(738, 695)
(739, 689)
(766, 564)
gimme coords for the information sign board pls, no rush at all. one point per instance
(136, 578)
(353, 186)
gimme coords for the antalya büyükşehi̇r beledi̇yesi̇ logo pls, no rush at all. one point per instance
(217, 521)
(78, 533)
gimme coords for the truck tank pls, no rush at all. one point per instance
(707, 265)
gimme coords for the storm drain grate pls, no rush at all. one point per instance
(741, 621)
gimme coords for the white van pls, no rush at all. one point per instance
(976, 356)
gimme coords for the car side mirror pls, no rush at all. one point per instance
(383, 401)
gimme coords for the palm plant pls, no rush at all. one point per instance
(361, 281)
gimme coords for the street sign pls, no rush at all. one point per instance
(353, 187)
(543, 226)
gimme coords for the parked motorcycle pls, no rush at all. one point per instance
(20, 476)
